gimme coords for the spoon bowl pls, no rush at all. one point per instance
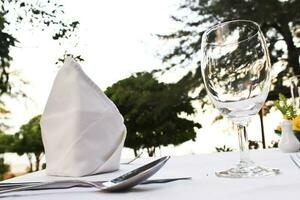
(134, 177)
(123, 182)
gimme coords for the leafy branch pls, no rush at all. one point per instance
(286, 108)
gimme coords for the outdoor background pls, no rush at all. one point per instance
(130, 43)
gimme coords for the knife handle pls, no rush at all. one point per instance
(65, 185)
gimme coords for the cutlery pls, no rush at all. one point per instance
(135, 158)
(79, 184)
(294, 158)
(123, 182)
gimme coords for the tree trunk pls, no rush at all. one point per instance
(293, 51)
(37, 161)
(38, 158)
(135, 152)
(261, 117)
(151, 151)
(29, 156)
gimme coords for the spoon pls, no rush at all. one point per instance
(79, 184)
(123, 182)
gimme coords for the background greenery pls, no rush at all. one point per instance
(279, 21)
(156, 114)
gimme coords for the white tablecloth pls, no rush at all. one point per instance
(204, 183)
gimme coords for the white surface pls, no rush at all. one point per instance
(204, 185)
(83, 131)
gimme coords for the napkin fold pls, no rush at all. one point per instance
(82, 130)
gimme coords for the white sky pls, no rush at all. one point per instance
(115, 39)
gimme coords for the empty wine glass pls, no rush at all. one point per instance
(236, 70)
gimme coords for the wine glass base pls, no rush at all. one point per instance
(248, 171)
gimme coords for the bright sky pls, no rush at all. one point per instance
(116, 38)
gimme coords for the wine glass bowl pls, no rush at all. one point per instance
(236, 71)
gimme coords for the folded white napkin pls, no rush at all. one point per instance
(82, 130)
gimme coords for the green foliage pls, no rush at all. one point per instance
(274, 144)
(223, 148)
(6, 142)
(40, 15)
(66, 55)
(252, 144)
(5, 145)
(218, 118)
(279, 21)
(7, 41)
(3, 168)
(29, 141)
(287, 109)
(4, 113)
(151, 112)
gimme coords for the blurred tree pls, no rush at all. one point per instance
(39, 14)
(274, 144)
(3, 115)
(3, 168)
(253, 144)
(15, 15)
(279, 21)
(154, 112)
(5, 143)
(223, 148)
(62, 59)
(29, 141)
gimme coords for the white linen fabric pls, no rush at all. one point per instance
(82, 130)
(203, 185)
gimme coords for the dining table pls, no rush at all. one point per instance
(204, 184)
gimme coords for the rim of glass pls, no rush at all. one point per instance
(210, 29)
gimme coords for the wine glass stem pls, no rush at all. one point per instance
(243, 142)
